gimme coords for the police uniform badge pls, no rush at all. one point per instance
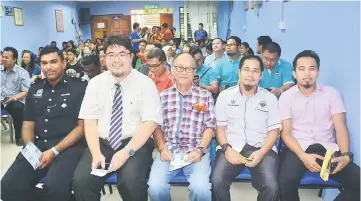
(38, 93)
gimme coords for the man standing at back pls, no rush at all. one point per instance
(167, 33)
(261, 42)
(136, 37)
(121, 109)
(200, 34)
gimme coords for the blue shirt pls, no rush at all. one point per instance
(209, 78)
(14, 81)
(212, 60)
(227, 71)
(36, 70)
(201, 35)
(280, 75)
(134, 35)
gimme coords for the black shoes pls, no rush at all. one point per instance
(19, 142)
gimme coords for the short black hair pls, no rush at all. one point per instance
(209, 46)
(248, 57)
(218, 39)
(307, 53)
(53, 42)
(12, 50)
(272, 47)
(64, 43)
(201, 24)
(264, 40)
(165, 25)
(72, 51)
(48, 50)
(92, 42)
(135, 25)
(157, 53)
(102, 49)
(237, 39)
(118, 40)
(143, 41)
(90, 59)
(157, 45)
(195, 51)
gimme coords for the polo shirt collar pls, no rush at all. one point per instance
(163, 77)
(319, 87)
(234, 61)
(122, 83)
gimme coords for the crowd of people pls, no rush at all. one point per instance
(109, 103)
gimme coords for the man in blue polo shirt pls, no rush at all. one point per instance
(227, 68)
(200, 34)
(205, 75)
(277, 76)
(135, 37)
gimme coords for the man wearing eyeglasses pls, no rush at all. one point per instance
(248, 122)
(121, 109)
(277, 77)
(227, 68)
(184, 135)
(159, 73)
(205, 76)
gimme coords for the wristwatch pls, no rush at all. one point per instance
(203, 150)
(56, 153)
(349, 154)
(131, 152)
(225, 146)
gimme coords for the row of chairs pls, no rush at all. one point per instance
(7, 120)
(310, 180)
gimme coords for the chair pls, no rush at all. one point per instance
(6, 118)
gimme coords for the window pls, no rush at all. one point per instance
(181, 21)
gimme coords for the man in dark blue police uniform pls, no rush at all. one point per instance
(51, 123)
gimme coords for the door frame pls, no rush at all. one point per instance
(92, 17)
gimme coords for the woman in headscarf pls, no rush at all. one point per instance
(168, 50)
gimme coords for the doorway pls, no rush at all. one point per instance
(107, 25)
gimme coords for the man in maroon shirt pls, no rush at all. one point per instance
(167, 33)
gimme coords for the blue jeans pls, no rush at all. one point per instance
(197, 175)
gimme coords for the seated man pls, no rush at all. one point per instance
(121, 110)
(51, 115)
(277, 77)
(15, 83)
(311, 113)
(92, 67)
(248, 122)
(143, 68)
(159, 73)
(205, 76)
(187, 129)
(227, 68)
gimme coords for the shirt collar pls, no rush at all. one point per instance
(163, 77)
(64, 79)
(224, 55)
(189, 91)
(319, 87)
(201, 69)
(234, 61)
(13, 69)
(122, 83)
(240, 92)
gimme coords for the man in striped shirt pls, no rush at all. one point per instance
(187, 130)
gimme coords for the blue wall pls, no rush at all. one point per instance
(124, 7)
(39, 25)
(223, 17)
(332, 29)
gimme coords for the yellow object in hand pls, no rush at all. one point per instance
(325, 169)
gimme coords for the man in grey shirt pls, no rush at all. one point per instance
(15, 83)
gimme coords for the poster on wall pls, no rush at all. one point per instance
(9, 11)
(1, 11)
(18, 17)
(59, 20)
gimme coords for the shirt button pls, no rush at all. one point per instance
(48, 110)
(45, 131)
(50, 99)
(52, 90)
(45, 140)
(64, 99)
(46, 120)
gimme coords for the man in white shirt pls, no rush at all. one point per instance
(121, 109)
(248, 122)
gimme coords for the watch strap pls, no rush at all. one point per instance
(56, 153)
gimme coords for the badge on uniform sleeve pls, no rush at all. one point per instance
(39, 93)
(277, 74)
(64, 105)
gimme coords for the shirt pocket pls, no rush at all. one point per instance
(170, 116)
(15, 84)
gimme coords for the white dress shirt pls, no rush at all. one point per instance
(140, 97)
(247, 119)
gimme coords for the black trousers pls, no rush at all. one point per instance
(15, 109)
(132, 176)
(292, 170)
(18, 183)
(264, 175)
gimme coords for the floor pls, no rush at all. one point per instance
(178, 193)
